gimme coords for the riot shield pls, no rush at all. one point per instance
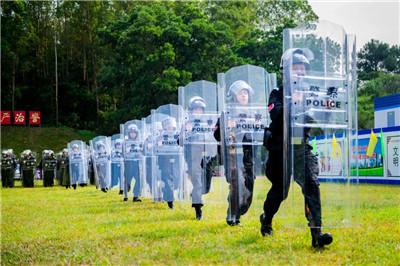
(49, 165)
(153, 129)
(148, 156)
(169, 183)
(101, 155)
(117, 161)
(243, 93)
(320, 110)
(78, 168)
(199, 101)
(133, 157)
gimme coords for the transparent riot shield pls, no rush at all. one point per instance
(243, 93)
(153, 132)
(117, 161)
(101, 156)
(49, 165)
(133, 157)
(78, 168)
(149, 158)
(199, 101)
(320, 124)
(169, 183)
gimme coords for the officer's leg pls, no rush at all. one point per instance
(168, 179)
(233, 216)
(114, 174)
(127, 178)
(312, 200)
(277, 193)
(208, 166)
(52, 176)
(196, 175)
(248, 176)
(4, 178)
(137, 175)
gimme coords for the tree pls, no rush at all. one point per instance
(377, 56)
(384, 84)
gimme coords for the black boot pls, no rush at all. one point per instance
(120, 192)
(74, 186)
(104, 190)
(199, 213)
(136, 199)
(232, 221)
(125, 199)
(319, 240)
(170, 204)
(266, 226)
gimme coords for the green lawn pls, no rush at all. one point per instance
(59, 226)
(39, 138)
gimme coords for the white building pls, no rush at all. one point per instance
(387, 111)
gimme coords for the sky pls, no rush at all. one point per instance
(366, 19)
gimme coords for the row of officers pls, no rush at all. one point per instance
(171, 154)
(27, 168)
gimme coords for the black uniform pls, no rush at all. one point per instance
(306, 167)
(63, 170)
(48, 167)
(8, 165)
(237, 206)
(28, 165)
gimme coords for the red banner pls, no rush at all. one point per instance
(5, 117)
(34, 118)
(19, 118)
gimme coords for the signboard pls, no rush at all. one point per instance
(19, 118)
(393, 156)
(34, 118)
(5, 117)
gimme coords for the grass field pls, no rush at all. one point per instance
(58, 226)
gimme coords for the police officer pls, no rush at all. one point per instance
(102, 160)
(194, 154)
(117, 164)
(8, 165)
(28, 165)
(132, 167)
(48, 166)
(63, 169)
(169, 165)
(306, 171)
(238, 166)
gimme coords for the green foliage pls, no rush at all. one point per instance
(117, 60)
(379, 75)
(378, 56)
(47, 226)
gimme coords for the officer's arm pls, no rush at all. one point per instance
(275, 105)
(217, 133)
